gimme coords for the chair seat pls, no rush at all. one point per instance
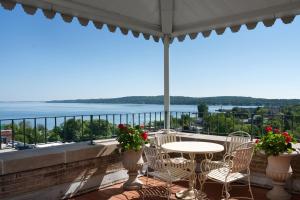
(220, 175)
(178, 160)
(172, 175)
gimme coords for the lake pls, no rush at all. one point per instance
(12, 110)
(19, 110)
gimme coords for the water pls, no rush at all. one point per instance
(12, 110)
(19, 110)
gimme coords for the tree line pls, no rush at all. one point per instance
(181, 100)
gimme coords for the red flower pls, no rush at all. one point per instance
(256, 141)
(121, 126)
(268, 129)
(288, 139)
(285, 134)
(144, 135)
(276, 130)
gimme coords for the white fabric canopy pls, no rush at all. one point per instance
(165, 19)
(177, 18)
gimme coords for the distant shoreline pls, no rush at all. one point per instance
(181, 100)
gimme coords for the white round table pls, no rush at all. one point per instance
(192, 148)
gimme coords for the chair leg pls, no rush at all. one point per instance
(222, 193)
(250, 190)
(146, 181)
(226, 191)
(147, 177)
(169, 189)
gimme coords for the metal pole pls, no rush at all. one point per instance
(166, 82)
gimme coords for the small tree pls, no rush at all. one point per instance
(202, 110)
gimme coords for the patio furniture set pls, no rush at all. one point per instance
(164, 165)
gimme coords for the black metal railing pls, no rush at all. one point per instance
(26, 133)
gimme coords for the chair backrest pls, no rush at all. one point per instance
(235, 139)
(154, 158)
(242, 157)
(163, 138)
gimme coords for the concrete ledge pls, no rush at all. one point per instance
(30, 159)
(17, 161)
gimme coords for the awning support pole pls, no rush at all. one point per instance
(166, 83)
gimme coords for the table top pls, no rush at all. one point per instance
(193, 147)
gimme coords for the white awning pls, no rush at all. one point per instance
(156, 18)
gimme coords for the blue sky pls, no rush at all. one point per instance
(43, 59)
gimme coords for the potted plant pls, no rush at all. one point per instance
(278, 147)
(132, 140)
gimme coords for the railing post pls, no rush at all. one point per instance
(171, 123)
(189, 120)
(209, 124)
(150, 121)
(91, 130)
(114, 131)
(133, 119)
(226, 131)
(160, 119)
(64, 130)
(107, 124)
(81, 126)
(24, 134)
(35, 132)
(155, 121)
(45, 133)
(13, 133)
(145, 121)
(252, 118)
(283, 122)
(262, 125)
(292, 124)
(218, 123)
(99, 124)
(0, 134)
(139, 116)
(176, 119)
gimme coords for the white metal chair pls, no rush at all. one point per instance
(163, 138)
(235, 139)
(163, 169)
(235, 166)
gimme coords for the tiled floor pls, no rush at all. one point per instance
(213, 192)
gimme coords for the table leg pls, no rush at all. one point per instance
(202, 176)
(190, 193)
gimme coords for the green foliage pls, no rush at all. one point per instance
(185, 121)
(275, 142)
(202, 110)
(219, 123)
(71, 130)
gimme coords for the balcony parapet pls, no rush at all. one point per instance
(68, 170)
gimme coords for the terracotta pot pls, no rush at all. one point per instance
(279, 170)
(133, 162)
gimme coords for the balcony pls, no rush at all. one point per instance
(87, 164)
(213, 191)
